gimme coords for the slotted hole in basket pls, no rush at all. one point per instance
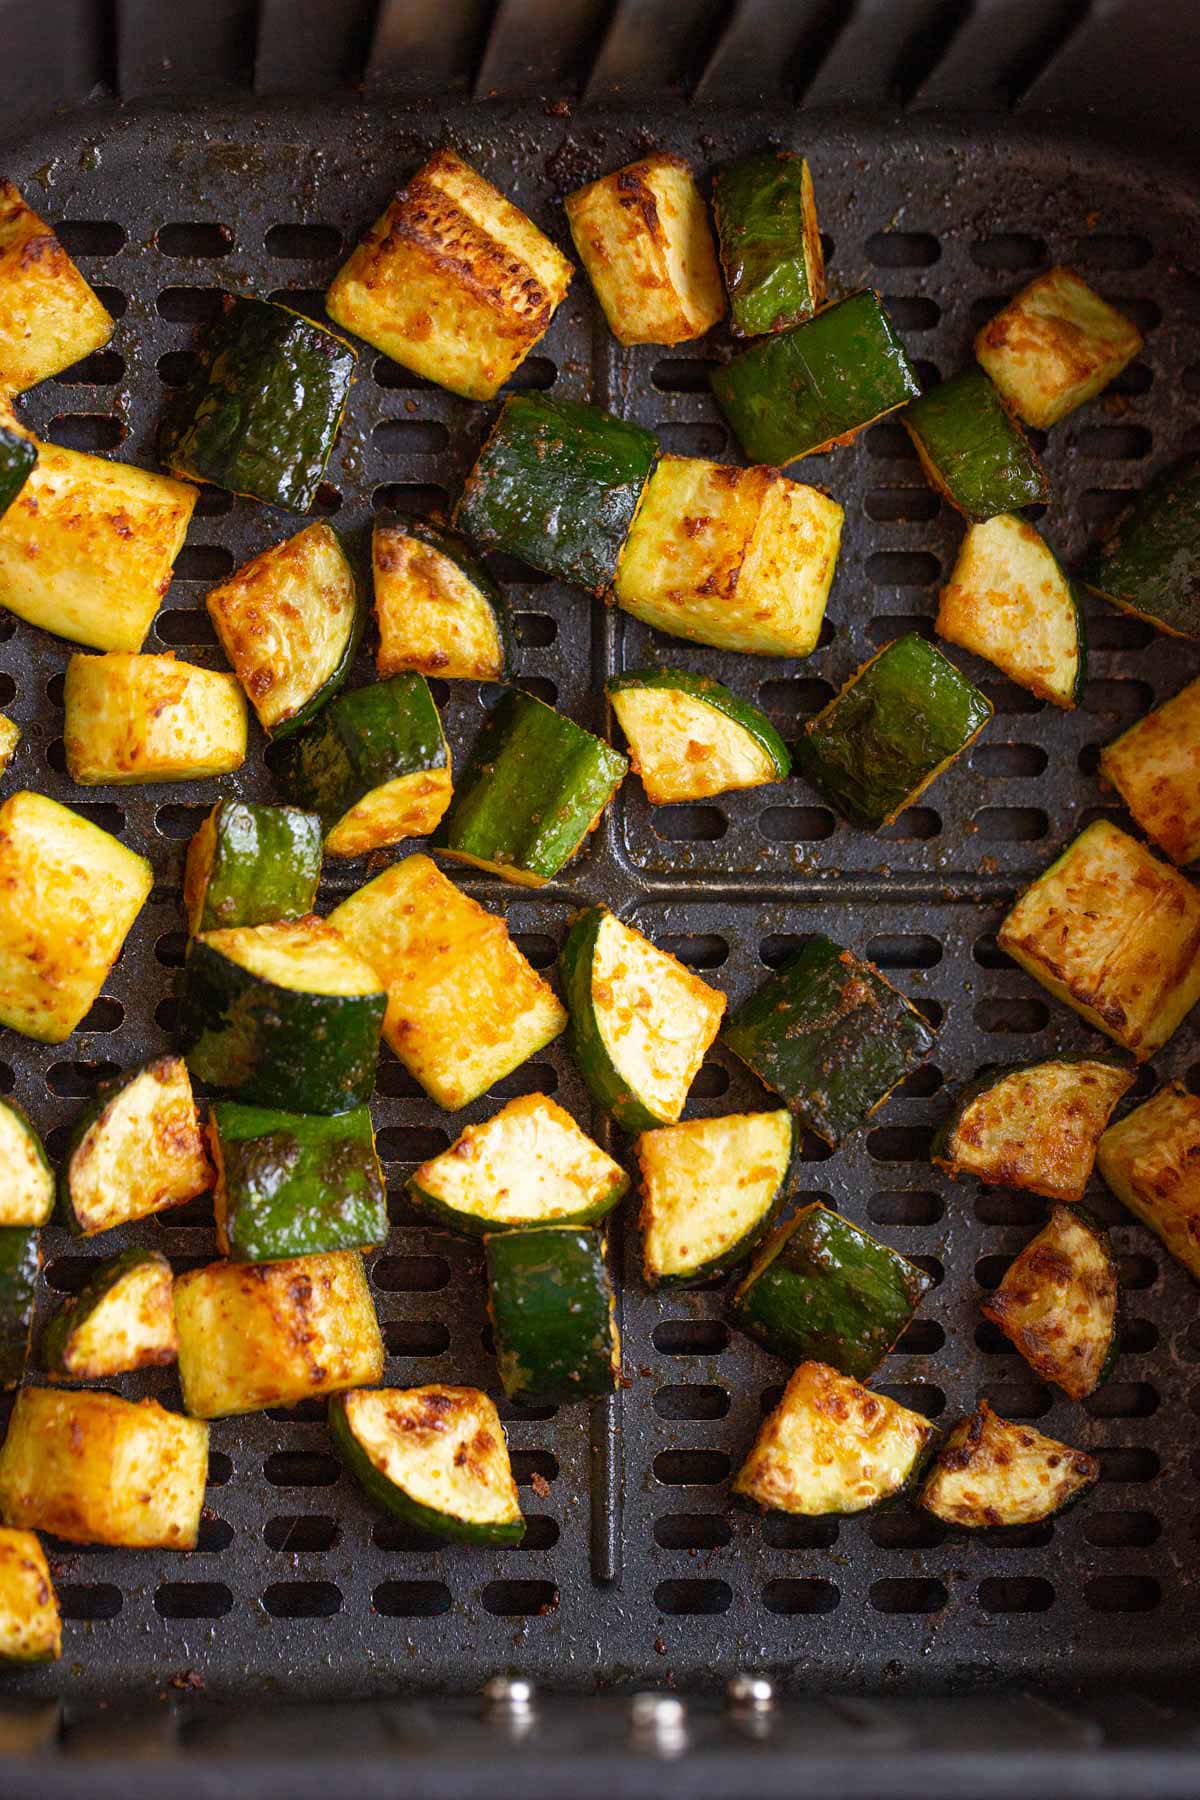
(912, 312)
(185, 627)
(890, 443)
(904, 950)
(191, 305)
(520, 1599)
(411, 1274)
(900, 1143)
(536, 372)
(8, 1079)
(78, 1080)
(796, 824)
(999, 1206)
(915, 825)
(1008, 697)
(779, 947)
(1011, 824)
(89, 1602)
(1127, 1463)
(902, 505)
(785, 1531)
(1123, 1400)
(302, 243)
(906, 1528)
(1019, 1399)
(1009, 762)
(180, 821)
(193, 1600)
(302, 1600)
(692, 438)
(411, 1143)
(398, 1536)
(1135, 1529)
(101, 369)
(416, 1337)
(534, 1468)
(690, 1337)
(1009, 251)
(411, 498)
(104, 1015)
(680, 375)
(697, 950)
(905, 1206)
(411, 1599)
(884, 628)
(688, 824)
(530, 1078)
(692, 1531)
(536, 630)
(912, 1595)
(922, 1338)
(1114, 443)
(903, 249)
(918, 1396)
(105, 813)
(903, 568)
(691, 1401)
(791, 1597)
(1122, 1593)
(301, 1533)
(90, 432)
(410, 437)
(309, 301)
(214, 1534)
(1009, 1015)
(1118, 631)
(693, 1599)
(204, 562)
(537, 948)
(794, 698)
(1015, 1594)
(301, 1468)
(711, 1082)
(1099, 506)
(691, 1468)
(1118, 699)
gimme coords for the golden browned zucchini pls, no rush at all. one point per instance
(150, 718)
(991, 1472)
(123, 1319)
(49, 316)
(1055, 345)
(10, 737)
(1008, 600)
(1033, 1127)
(136, 1149)
(1155, 767)
(30, 1626)
(1151, 1161)
(1058, 1303)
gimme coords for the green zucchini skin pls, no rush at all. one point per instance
(261, 412)
(973, 449)
(362, 740)
(759, 205)
(454, 546)
(712, 693)
(18, 456)
(575, 961)
(551, 1306)
(296, 1184)
(557, 483)
(892, 728)
(321, 696)
(1148, 561)
(20, 1260)
(822, 1290)
(266, 865)
(831, 1037)
(802, 390)
(56, 1339)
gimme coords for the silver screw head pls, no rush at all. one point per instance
(659, 1722)
(750, 1693)
(509, 1694)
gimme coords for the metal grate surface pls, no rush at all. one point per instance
(634, 1568)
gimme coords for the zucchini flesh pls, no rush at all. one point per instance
(26, 1178)
(439, 612)
(1153, 767)
(20, 1261)
(972, 448)
(1148, 561)
(49, 316)
(1151, 1161)
(1054, 346)
(250, 864)
(1057, 1303)
(436, 1456)
(10, 737)
(136, 1149)
(294, 1184)
(30, 1626)
(553, 1314)
(123, 1319)
(991, 1472)
(831, 1446)
(1008, 600)
(690, 738)
(770, 243)
(711, 1190)
(150, 718)
(18, 454)
(1034, 1127)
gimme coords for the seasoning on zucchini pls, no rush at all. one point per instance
(26, 1178)
(557, 484)
(435, 1456)
(464, 1007)
(123, 1319)
(49, 316)
(831, 1446)
(1115, 933)
(439, 612)
(250, 864)
(711, 1190)
(30, 1626)
(18, 454)
(1008, 600)
(972, 449)
(1034, 1127)
(530, 1164)
(20, 1260)
(135, 1149)
(10, 737)
(1054, 346)
(802, 391)
(1057, 1303)
(1155, 767)
(822, 1289)
(830, 1036)
(150, 718)
(535, 785)
(294, 1184)
(374, 764)
(771, 250)
(1151, 1161)
(553, 1314)
(1148, 561)
(690, 738)
(991, 1472)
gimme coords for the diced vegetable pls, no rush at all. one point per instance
(771, 250)
(1008, 600)
(439, 611)
(135, 1149)
(123, 1319)
(1034, 1127)
(553, 1314)
(1151, 1161)
(10, 737)
(294, 1184)
(30, 1626)
(49, 316)
(250, 864)
(26, 1178)
(1155, 767)
(1054, 346)
(1058, 1303)
(1148, 561)
(689, 737)
(972, 448)
(18, 454)
(991, 1472)
(711, 1190)
(150, 718)
(20, 1260)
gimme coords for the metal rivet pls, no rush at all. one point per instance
(659, 1723)
(750, 1693)
(509, 1694)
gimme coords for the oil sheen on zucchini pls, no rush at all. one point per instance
(251, 864)
(135, 1149)
(1148, 561)
(690, 738)
(769, 240)
(552, 1311)
(26, 1177)
(991, 1472)
(1151, 1161)
(711, 1190)
(439, 611)
(972, 448)
(1035, 1126)
(1057, 1302)
(122, 1319)
(20, 1260)
(294, 1184)
(1008, 600)
(1153, 767)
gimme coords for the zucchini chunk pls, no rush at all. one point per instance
(711, 1190)
(453, 281)
(250, 864)
(642, 235)
(972, 449)
(20, 1260)
(1155, 767)
(1058, 1303)
(1008, 600)
(831, 1446)
(294, 1184)
(897, 725)
(1034, 1127)
(1151, 1161)
(283, 1015)
(991, 1472)
(690, 738)
(830, 1036)
(135, 1150)
(1054, 346)
(374, 765)
(123, 1319)
(289, 621)
(1148, 561)
(742, 559)
(802, 391)
(553, 1314)
(26, 1178)
(530, 1164)
(641, 1023)
(150, 718)
(436, 1456)
(534, 787)
(823, 1289)
(49, 316)
(771, 251)
(96, 1469)
(18, 454)
(10, 737)
(464, 1007)
(69, 893)
(439, 612)
(30, 1626)
(557, 483)
(1115, 933)
(253, 1335)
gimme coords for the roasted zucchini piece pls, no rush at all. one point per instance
(1115, 933)
(26, 1178)
(250, 864)
(30, 1626)
(135, 1149)
(1058, 1303)
(1148, 561)
(557, 483)
(375, 766)
(294, 1184)
(260, 414)
(641, 1023)
(439, 612)
(436, 1456)
(289, 621)
(1034, 1127)
(530, 1164)
(18, 454)
(831, 1446)
(453, 281)
(464, 1007)
(689, 737)
(822, 1289)
(991, 1472)
(1151, 1161)
(1155, 767)
(10, 737)
(711, 1190)
(1008, 600)
(253, 1335)
(771, 251)
(830, 1036)
(69, 892)
(150, 718)
(802, 391)
(972, 449)
(49, 316)
(283, 1015)
(553, 1314)
(20, 1260)
(534, 787)
(1055, 345)
(123, 1319)
(742, 559)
